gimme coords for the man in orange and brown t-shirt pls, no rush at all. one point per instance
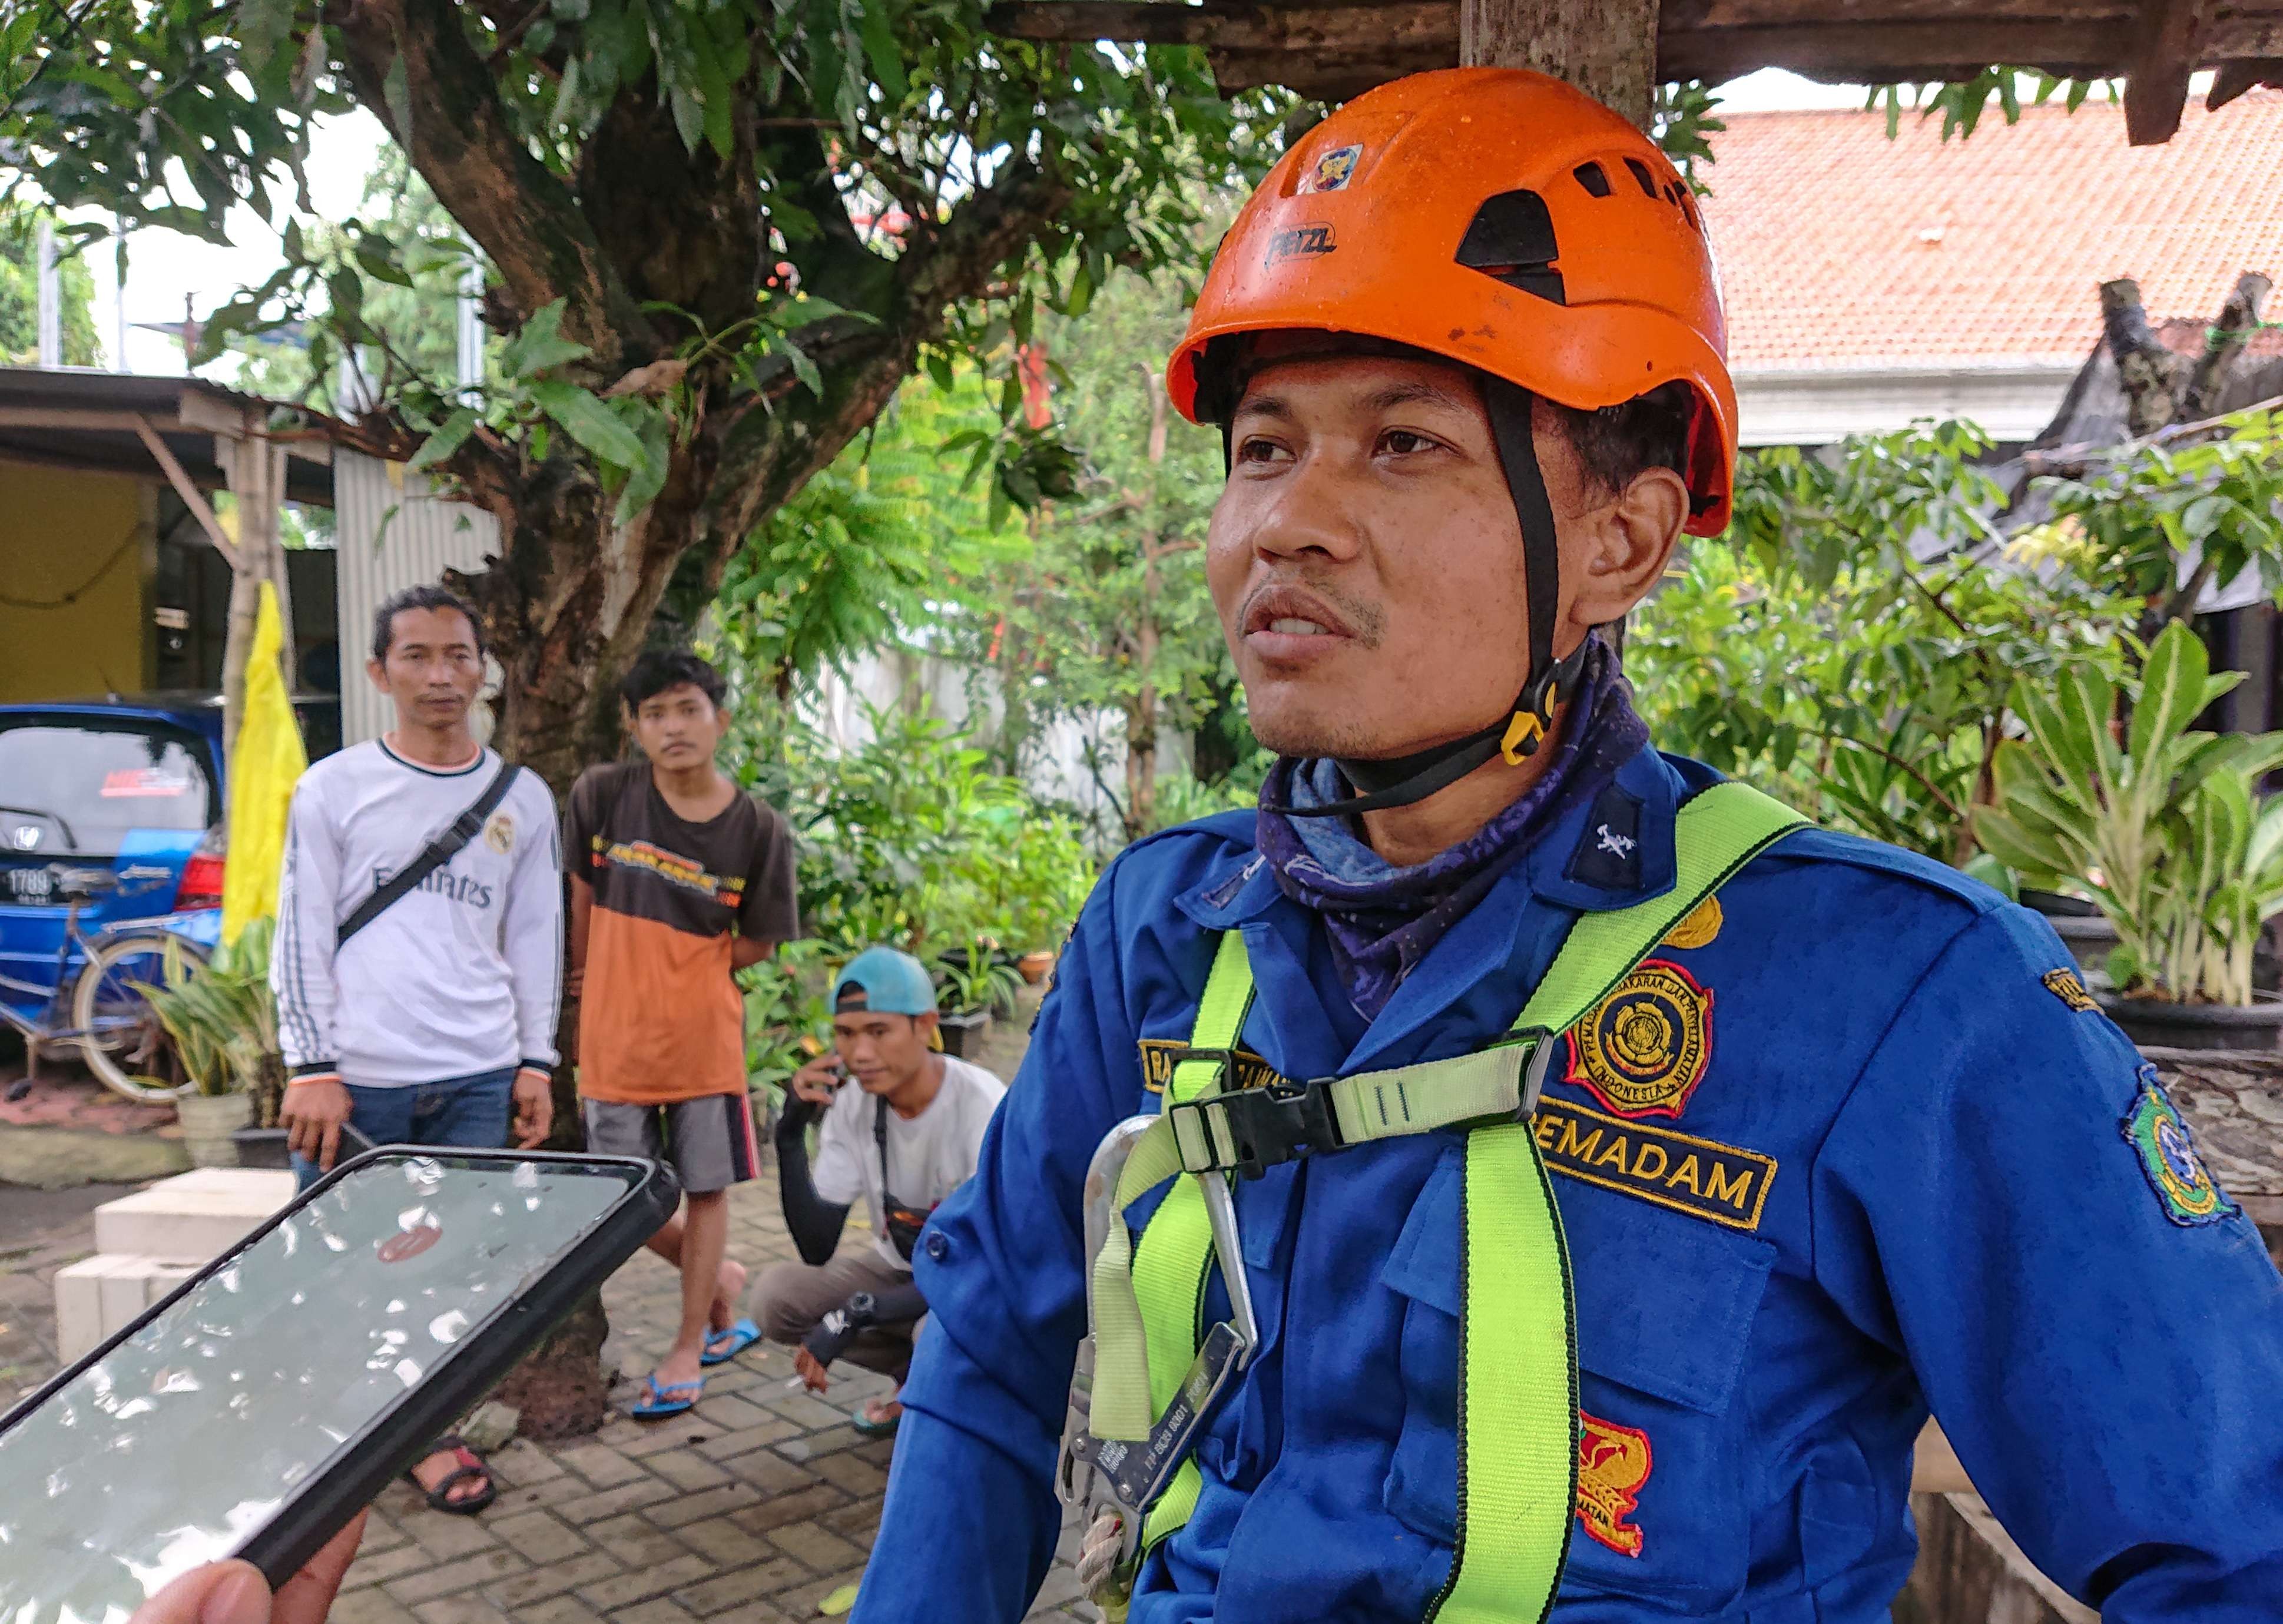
(678, 881)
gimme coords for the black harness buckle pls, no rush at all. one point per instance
(1266, 1127)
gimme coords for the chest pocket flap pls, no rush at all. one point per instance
(1665, 1309)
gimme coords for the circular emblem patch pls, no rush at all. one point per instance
(1702, 924)
(2175, 1170)
(499, 833)
(1642, 1050)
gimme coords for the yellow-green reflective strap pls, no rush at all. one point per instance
(1517, 1456)
(1145, 1307)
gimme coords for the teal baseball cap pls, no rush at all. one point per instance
(882, 979)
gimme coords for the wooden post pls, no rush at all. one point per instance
(256, 468)
(1606, 48)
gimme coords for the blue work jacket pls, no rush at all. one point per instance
(1860, 1148)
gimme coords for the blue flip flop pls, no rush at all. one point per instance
(723, 1346)
(658, 1402)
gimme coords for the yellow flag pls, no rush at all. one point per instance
(267, 759)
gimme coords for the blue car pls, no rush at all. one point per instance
(111, 831)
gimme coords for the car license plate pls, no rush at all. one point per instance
(32, 885)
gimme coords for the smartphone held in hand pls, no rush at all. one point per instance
(257, 1408)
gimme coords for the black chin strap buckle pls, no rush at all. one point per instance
(1533, 711)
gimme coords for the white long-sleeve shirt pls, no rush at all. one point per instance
(463, 975)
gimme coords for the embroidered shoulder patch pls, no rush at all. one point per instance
(2068, 987)
(1613, 1463)
(1642, 1050)
(1719, 1184)
(2176, 1171)
(1159, 1055)
(1702, 924)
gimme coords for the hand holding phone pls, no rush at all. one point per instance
(817, 1081)
(256, 1410)
(236, 1592)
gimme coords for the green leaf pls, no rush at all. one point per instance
(2171, 690)
(262, 25)
(803, 368)
(879, 34)
(586, 420)
(396, 91)
(444, 441)
(541, 344)
(2031, 855)
(647, 478)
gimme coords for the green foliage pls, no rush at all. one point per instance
(1963, 101)
(220, 1017)
(911, 838)
(2162, 829)
(824, 116)
(20, 294)
(888, 545)
(785, 1011)
(1810, 648)
(975, 979)
(2136, 514)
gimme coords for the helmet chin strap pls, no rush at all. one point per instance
(1408, 780)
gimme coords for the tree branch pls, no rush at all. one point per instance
(521, 214)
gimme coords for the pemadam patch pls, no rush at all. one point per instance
(1642, 1050)
(1613, 1463)
(2159, 1136)
(2068, 987)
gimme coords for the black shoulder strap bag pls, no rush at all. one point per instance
(438, 852)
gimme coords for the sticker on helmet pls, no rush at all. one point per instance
(1311, 237)
(1333, 171)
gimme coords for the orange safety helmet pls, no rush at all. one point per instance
(1502, 220)
(1498, 218)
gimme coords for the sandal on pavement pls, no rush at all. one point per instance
(470, 1465)
(723, 1346)
(870, 1424)
(660, 1400)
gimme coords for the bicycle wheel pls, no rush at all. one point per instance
(120, 1038)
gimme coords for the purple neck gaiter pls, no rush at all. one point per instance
(1381, 919)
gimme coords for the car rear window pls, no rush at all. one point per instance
(76, 785)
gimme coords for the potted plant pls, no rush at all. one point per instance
(968, 982)
(224, 1025)
(2162, 833)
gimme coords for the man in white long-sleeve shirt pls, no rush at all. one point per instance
(434, 1023)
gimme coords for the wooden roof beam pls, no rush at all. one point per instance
(2163, 56)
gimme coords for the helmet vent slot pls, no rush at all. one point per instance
(1592, 178)
(1511, 238)
(1640, 174)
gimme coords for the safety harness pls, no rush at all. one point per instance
(1149, 1374)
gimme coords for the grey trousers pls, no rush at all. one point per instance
(789, 1299)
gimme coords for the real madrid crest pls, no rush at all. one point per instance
(1642, 1050)
(499, 833)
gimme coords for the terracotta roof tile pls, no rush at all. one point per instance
(1841, 249)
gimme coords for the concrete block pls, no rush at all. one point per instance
(100, 1296)
(192, 1218)
(79, 1305)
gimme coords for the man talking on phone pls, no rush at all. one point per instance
(419, 960)
(904, 1137)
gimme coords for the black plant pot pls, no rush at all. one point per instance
(2155, 1024)
(963, 1034)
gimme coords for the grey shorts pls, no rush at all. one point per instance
(708, 1143)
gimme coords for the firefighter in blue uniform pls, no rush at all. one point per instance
(1849, 1146)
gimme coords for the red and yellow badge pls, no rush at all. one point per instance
(1642, 1050)
(1613, 1463)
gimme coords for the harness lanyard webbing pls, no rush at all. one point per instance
(1517, 1453)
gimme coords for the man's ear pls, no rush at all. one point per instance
(378, 673)
(928, 1029)
(1625, 547)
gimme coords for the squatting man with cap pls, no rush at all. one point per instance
(1514, 1171)
(904, 1137)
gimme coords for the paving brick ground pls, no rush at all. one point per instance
(752, 1509)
